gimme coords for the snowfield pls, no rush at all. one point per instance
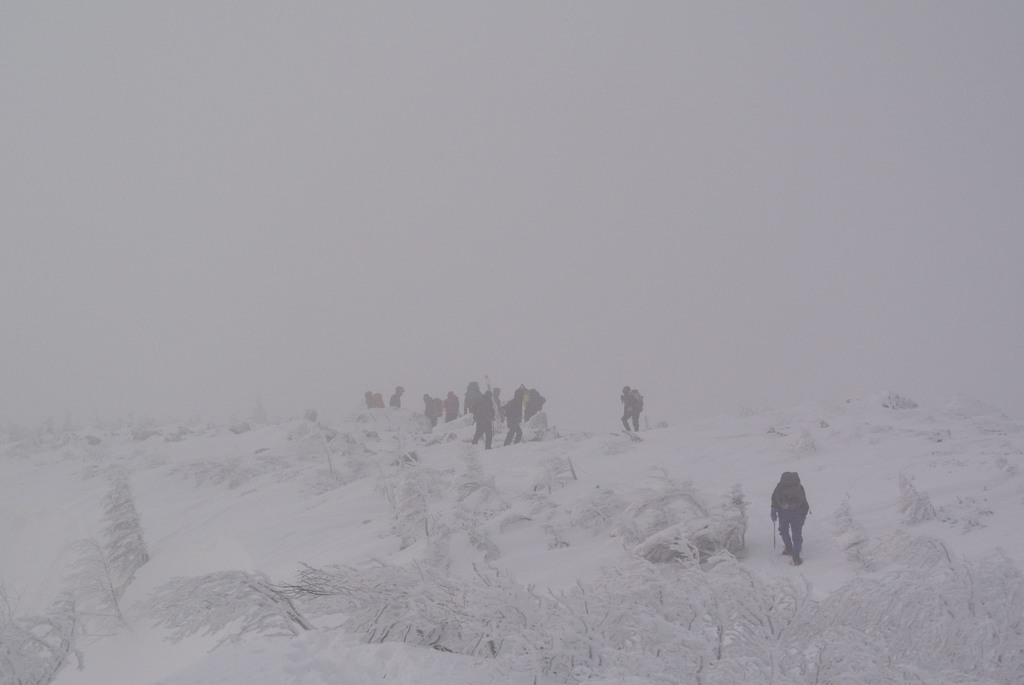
(374, 549)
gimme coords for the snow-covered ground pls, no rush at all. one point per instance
(374, 550)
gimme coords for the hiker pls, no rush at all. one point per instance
(473, 396)
(514, 416)
(368, 396)
(790, 508)
(451, 407)
(378, 401)
(431, 409)
(396, 399)
(483, 416)
(534, 403)
(632, 405)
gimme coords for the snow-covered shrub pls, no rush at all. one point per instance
(555, 473)
(850, 536)
(958, 621)
(241, 427)
(404, 492)
(806, 444)
(476, 495)
(34, 649)
(661, 525)
(597, 511)
(896, 401)
(915, 506)
(246, 601)
(489, 615)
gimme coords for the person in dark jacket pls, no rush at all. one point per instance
(451, 407)
(431, 408)
(368, 395)
(514, 416)
(396, 399)
(632, 405)
(473, 396)
(790, 509)
(483, 416)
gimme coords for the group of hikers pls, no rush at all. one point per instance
(789, 507)
(484, 405)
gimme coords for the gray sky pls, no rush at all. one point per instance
(723, 204)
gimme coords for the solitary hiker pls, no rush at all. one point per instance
(632, 405)
(790, 508)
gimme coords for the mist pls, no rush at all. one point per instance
(208, 205)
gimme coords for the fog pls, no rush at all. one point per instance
(727, 206)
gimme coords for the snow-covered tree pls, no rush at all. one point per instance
(125, 548)
(914, 505)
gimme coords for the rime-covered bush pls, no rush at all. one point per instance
(936, 613)
(34, 649)
(925, 618)
(247, 602)
(404, 492)
(896, 401)
(660, 525)
(851, 537)
(915, 506)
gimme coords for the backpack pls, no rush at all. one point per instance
(638, 399)
(791, 493)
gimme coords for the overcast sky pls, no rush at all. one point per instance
(725, 204)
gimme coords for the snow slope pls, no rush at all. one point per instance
(569, 556)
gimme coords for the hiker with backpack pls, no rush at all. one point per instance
(473, 396)
(431, 408)
(483, 416)
(451, 407)
(396, 399)
(514, 416)
(790, 509)
(632, 405)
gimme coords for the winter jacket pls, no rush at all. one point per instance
(483, 411)
(514, 407)
(789, 495)
(473, 396)
(451, 406)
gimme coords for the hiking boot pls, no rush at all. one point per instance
(796, 560)
(788, 551)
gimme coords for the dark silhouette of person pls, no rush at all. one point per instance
(369, 399)
(632, 405)
(514, 416)
(483, 416)
(473, 396)
(451, 407)
(431, 408)
(396, 399)
(790, 508)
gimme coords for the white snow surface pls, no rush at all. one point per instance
(541, 519)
